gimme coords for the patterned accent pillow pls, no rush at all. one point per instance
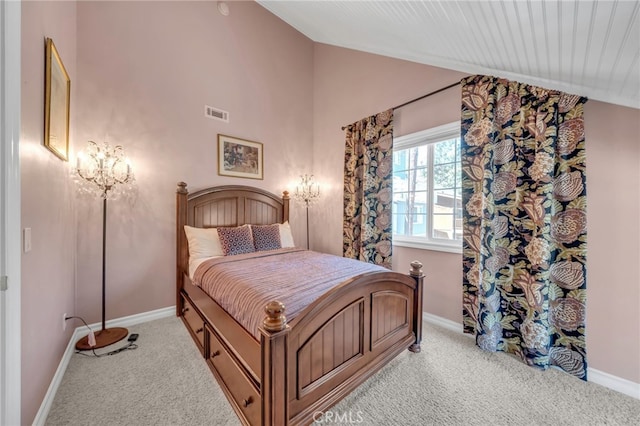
(266, 237)
(236, 240)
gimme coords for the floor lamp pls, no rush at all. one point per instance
(307, 191)
(105, 172)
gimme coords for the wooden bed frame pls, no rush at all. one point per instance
(302, 367)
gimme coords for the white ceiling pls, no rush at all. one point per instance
(586, 47)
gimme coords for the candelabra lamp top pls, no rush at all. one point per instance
(103, 169)
(307, 191)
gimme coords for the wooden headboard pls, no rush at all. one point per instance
(228, 205)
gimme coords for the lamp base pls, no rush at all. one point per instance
(105, 337)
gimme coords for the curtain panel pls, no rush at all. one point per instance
(368, 193)
(524, 224)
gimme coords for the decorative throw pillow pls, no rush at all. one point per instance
(266, 237)
(203, 242)
(236, 240)
(286, 239)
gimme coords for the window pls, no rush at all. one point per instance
(427, 198)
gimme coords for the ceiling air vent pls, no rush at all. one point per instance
(216, 113)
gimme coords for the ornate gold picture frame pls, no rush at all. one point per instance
(57, 89)
(239, 157)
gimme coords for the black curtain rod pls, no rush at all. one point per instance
(427, 95)
(422, 97)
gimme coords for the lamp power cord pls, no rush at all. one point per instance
(131, 345)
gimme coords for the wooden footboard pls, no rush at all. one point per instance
(340, 341)
(303, 367)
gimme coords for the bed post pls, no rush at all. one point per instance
(285, 206)
(273, 378)
(416, 274)
(181, 244)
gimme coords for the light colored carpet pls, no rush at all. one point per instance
(451, 382)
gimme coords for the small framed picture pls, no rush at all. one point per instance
(57, 96)
(239, 157)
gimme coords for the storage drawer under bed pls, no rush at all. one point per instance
(246, 398)
(194, 323)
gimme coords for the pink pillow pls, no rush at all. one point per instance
(266, 237)
(236, 240)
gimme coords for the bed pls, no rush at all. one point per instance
(291, 369)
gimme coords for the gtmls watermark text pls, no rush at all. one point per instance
(331, 417)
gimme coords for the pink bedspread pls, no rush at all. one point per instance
(243, 284)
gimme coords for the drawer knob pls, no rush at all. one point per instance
(200, 330)
(185, 310)
(247, 402)
(215, 354)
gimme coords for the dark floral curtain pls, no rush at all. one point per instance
(368, 194)
(524, 226)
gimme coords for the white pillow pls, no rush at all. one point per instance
(286, 239)
(203, 242)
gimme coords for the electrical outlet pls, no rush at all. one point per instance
(64, 321)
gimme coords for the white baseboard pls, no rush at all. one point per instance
(615, 383)
(612, 382)
(444, 323)
(43, 412)
(135, 319)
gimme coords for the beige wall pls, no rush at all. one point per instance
(146, 71)
(141, 74)
(350, 85)
(47, 205)
(613, 233)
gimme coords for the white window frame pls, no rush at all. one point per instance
(428, 137)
